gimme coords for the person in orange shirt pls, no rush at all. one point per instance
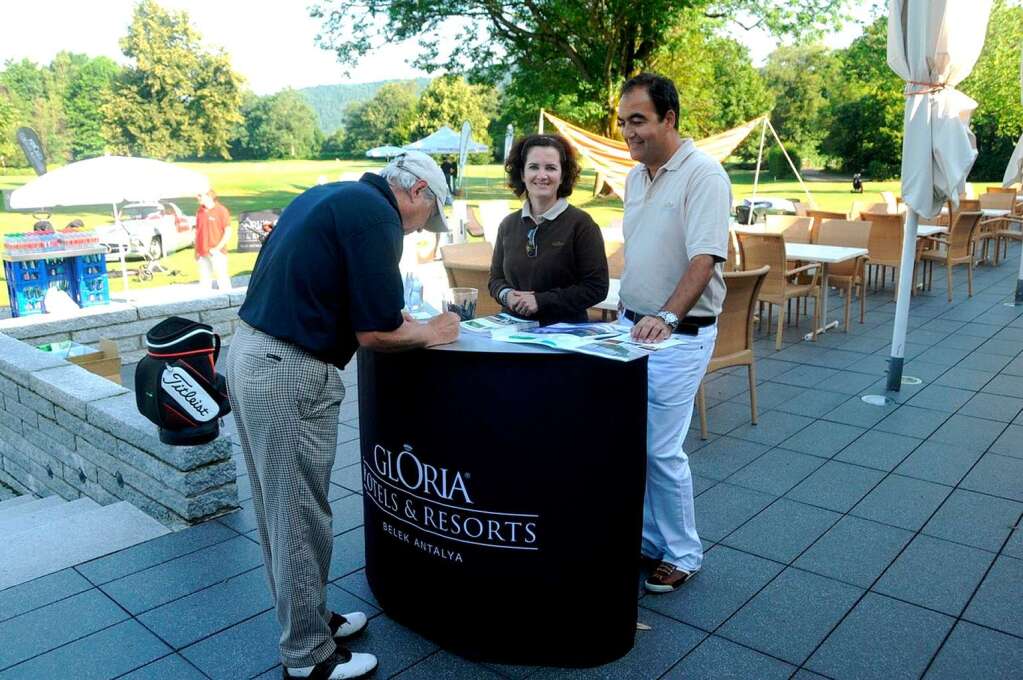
(212, 232)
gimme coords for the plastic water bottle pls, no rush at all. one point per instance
(413, 292)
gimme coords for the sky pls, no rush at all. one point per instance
(271, 42)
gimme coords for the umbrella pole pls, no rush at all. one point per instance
(124, 264)
(903, 294)
(1019, 278)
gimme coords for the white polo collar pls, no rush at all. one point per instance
(559, 207)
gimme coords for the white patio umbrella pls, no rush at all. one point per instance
(385, 151)
(444, 141)
(109, 180)
(932, 45)
(1013, 174)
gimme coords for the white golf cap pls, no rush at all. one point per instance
(426, 169)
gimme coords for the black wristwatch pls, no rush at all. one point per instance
(669, 318)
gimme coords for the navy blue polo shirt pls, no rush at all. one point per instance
(330, 269)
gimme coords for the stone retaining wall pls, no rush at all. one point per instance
(66, 431)
(126, 323)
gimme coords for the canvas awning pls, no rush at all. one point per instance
(611, 158)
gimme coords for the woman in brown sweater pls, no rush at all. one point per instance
(549, 262)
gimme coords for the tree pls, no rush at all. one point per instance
(387, 118)
(38, 104)
(450, 101)
(582, 48)
(9, 153)
(282, 125)
(717, 85)
(177, 99)
(334, 145)
(62, 102)
(88, 88)
(864, 113)
(802, 79)
(995, 84)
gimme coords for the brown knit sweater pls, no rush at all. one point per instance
(569, 272)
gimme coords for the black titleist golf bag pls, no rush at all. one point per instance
(176, 383)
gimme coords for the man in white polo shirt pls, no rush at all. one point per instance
(676, 237)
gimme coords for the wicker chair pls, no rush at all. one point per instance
(733, 263)
(778, 288)
(615, 252)
(959, 249)
(890, 201)
(819, 215)
(885, 247)
(468, 266)
(858, 208)
(796, 229)
(847, 275)
(1014, 190)
(998, 229)
(472, 224)
(734, 346)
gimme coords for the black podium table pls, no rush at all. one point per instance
(503, 493)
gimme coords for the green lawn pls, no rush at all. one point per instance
(245, 186)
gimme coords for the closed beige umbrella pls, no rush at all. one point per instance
(932, 45)
(1014, 170)
(1013, 174)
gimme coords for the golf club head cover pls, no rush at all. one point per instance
(176, 383)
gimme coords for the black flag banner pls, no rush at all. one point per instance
(33, 148)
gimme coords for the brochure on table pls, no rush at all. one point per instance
(489, 325)
(609, 341)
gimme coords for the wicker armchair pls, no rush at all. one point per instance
(734, 346)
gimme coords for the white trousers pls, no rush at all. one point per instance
(214, 266)
(669, 516)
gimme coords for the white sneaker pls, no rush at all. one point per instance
(341, 665)
(347, 625)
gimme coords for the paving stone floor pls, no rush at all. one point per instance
(844, 540)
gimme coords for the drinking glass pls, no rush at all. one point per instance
(461, 301)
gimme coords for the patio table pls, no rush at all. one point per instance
(813, 252)
(924, 230)
(500, 521)
(825, 255)
(984, 212)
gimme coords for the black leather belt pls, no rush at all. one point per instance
(690, 325)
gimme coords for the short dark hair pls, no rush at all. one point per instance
(661, 90)
(515, 164)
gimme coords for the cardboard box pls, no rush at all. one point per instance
(104, 362)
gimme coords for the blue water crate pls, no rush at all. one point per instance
(28, 273)
(88, 265)
(28, 282)
(90, 291)
(27, 301)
